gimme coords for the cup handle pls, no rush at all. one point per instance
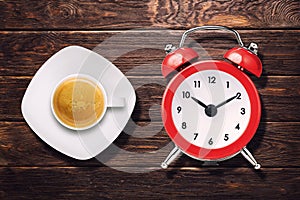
(117, 102)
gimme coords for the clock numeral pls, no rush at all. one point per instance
(226, 137)
(186, 94)
(237, 126)
(196, 135)
(243, 111)
(197, 84)
(227, 84)
(183, 125)
(179, 109)
(211, 79)
(238, 95)
(210, 142)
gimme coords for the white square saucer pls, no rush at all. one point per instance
(37, 112)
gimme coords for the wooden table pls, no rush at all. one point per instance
(32, 31)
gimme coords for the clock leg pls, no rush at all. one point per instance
(246, 153)
(171, 157)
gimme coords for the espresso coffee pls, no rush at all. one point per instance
(78, 102)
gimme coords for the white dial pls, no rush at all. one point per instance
(211, 109)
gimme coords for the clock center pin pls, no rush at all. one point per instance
(211, 110)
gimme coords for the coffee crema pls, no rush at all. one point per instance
(78, 102)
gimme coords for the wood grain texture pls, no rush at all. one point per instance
(146, 147)
(149, 91)
(73, 14)
(246, 14)
(132, 34)
(141, 52)
(174, 183)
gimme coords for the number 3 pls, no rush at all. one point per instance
(243, 111)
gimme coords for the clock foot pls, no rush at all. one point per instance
(171, 157)
(246, 153)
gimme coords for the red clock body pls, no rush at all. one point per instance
(211, 110)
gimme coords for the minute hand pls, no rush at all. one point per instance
(226, 101)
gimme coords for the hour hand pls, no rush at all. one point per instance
(199, 102)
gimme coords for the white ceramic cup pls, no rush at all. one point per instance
(115, 102)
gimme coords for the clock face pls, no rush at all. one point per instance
(211, 110)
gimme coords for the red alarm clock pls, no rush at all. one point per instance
(211, 109)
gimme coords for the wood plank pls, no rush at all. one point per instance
(185, 183)
(275, 144)
(141, 52)
(106, 14)
(149, 91)
(32, 31)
